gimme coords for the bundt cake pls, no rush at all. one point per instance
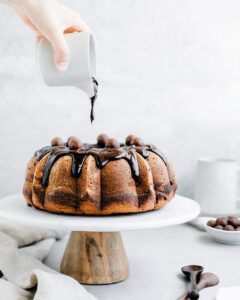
(99, 179)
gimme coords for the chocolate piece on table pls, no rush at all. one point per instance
(193, 272)
(206, 280)
(237, 229)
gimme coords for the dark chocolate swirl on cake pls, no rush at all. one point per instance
(102, 157)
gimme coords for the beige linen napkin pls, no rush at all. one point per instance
(22, 250)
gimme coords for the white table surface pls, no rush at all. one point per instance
(155, 258)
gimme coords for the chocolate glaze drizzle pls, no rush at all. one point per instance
(102, 157)
(93, 99)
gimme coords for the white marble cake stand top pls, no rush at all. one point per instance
(179, 210)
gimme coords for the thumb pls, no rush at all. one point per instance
(60, 49)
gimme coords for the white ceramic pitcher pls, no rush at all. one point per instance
(216, 186)
(82, 65)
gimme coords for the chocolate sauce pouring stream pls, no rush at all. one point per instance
(93, 99)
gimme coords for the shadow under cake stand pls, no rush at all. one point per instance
(95, 253)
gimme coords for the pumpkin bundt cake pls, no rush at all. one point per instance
(99, 179)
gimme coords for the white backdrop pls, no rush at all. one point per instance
(169, 72)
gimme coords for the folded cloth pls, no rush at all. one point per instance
(22, 250)
(228, 293)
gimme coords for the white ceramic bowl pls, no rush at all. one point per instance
(223, 236)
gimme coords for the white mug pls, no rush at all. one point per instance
(216, 186)
(82, 65)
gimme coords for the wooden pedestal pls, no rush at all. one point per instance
(95, 257)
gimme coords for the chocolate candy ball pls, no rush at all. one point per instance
(112, 143)
(222, 221)
(74, 144)
(57, 142)
(219, 227)
(102, 140)
(129, 139)
(70, 138)
(237, 229)
(138, 141)
(229, 228)
(211, 223)
(235, 222)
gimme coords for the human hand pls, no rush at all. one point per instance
(51, 19)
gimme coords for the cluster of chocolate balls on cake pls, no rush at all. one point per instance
(73, 143)
(103, 141)
(225, 223)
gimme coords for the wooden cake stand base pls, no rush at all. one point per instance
(95, 253)
(95, 257)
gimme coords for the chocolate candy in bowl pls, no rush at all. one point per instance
(234, 221)
(224, 230)
(229, 228)
(212, 223)
(218, 227)
(222, 221)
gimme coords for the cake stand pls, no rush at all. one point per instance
(95, 253)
